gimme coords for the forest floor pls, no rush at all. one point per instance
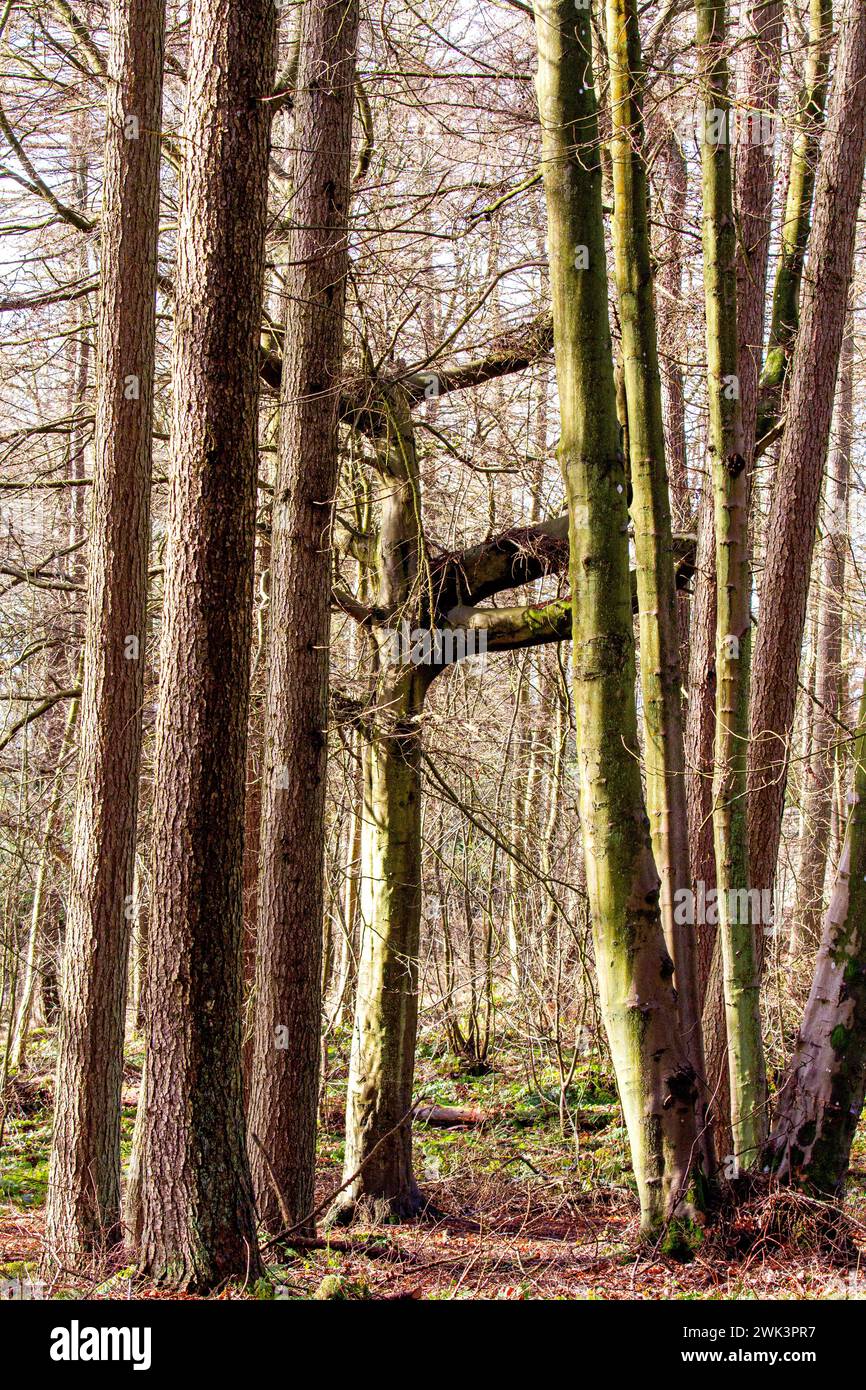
(536, 1202)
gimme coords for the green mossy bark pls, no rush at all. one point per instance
(656, 1083)
(661, 681)
(731, 495)
(797, 218)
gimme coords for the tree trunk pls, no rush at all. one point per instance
(657, 1085)
(821, 1097)
(794, 511)
(84, 1184)
(198, 1224)
(796, 219)
(661, 683)
(825, 733)
(381, 1071)
(289, 955)
(35, 943)
(755, 173)
(733, 593)
(755, 168)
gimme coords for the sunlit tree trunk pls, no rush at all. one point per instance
(794, 512)
(661, 683)
(826, 731)
(821, 1096)
(733, 594)
(84, 1184)
(289, 949)
(656, 1082)
(198, 1223)
(796, 220)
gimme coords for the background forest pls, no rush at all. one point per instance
(432, 837)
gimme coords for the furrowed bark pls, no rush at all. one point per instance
(733, 592)
(289, 952)
(84, 1183)
(794, 511)
(656, 1082)
(198, 1222)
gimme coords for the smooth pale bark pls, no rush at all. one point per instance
(656, 1082)
(733, 593)
(285, 1088)
(821, 1096)
(197, 1214)
(794, 512)
(796, 219)
(661, 684)
(84, 1183)
(826, 730)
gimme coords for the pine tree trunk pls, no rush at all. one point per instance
(656, 1082)
(198, 1224)
(84, 1183)
(794, 511)
(289, 953)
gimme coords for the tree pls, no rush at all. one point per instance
(826, 729)
(821, 1096)
(661, 682)
(198, 1223)
(656, 1082)
(285, 1093)
(733, 591)
(84, 1187)
(794, 510)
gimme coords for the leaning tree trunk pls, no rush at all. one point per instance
(794, 511)
(661, 683)
(289, 952)
(198, 1223)
(656, 1082)
(84, 1184)
(825, 731)
(796, 219)
(821, 1096)
(733, 594)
